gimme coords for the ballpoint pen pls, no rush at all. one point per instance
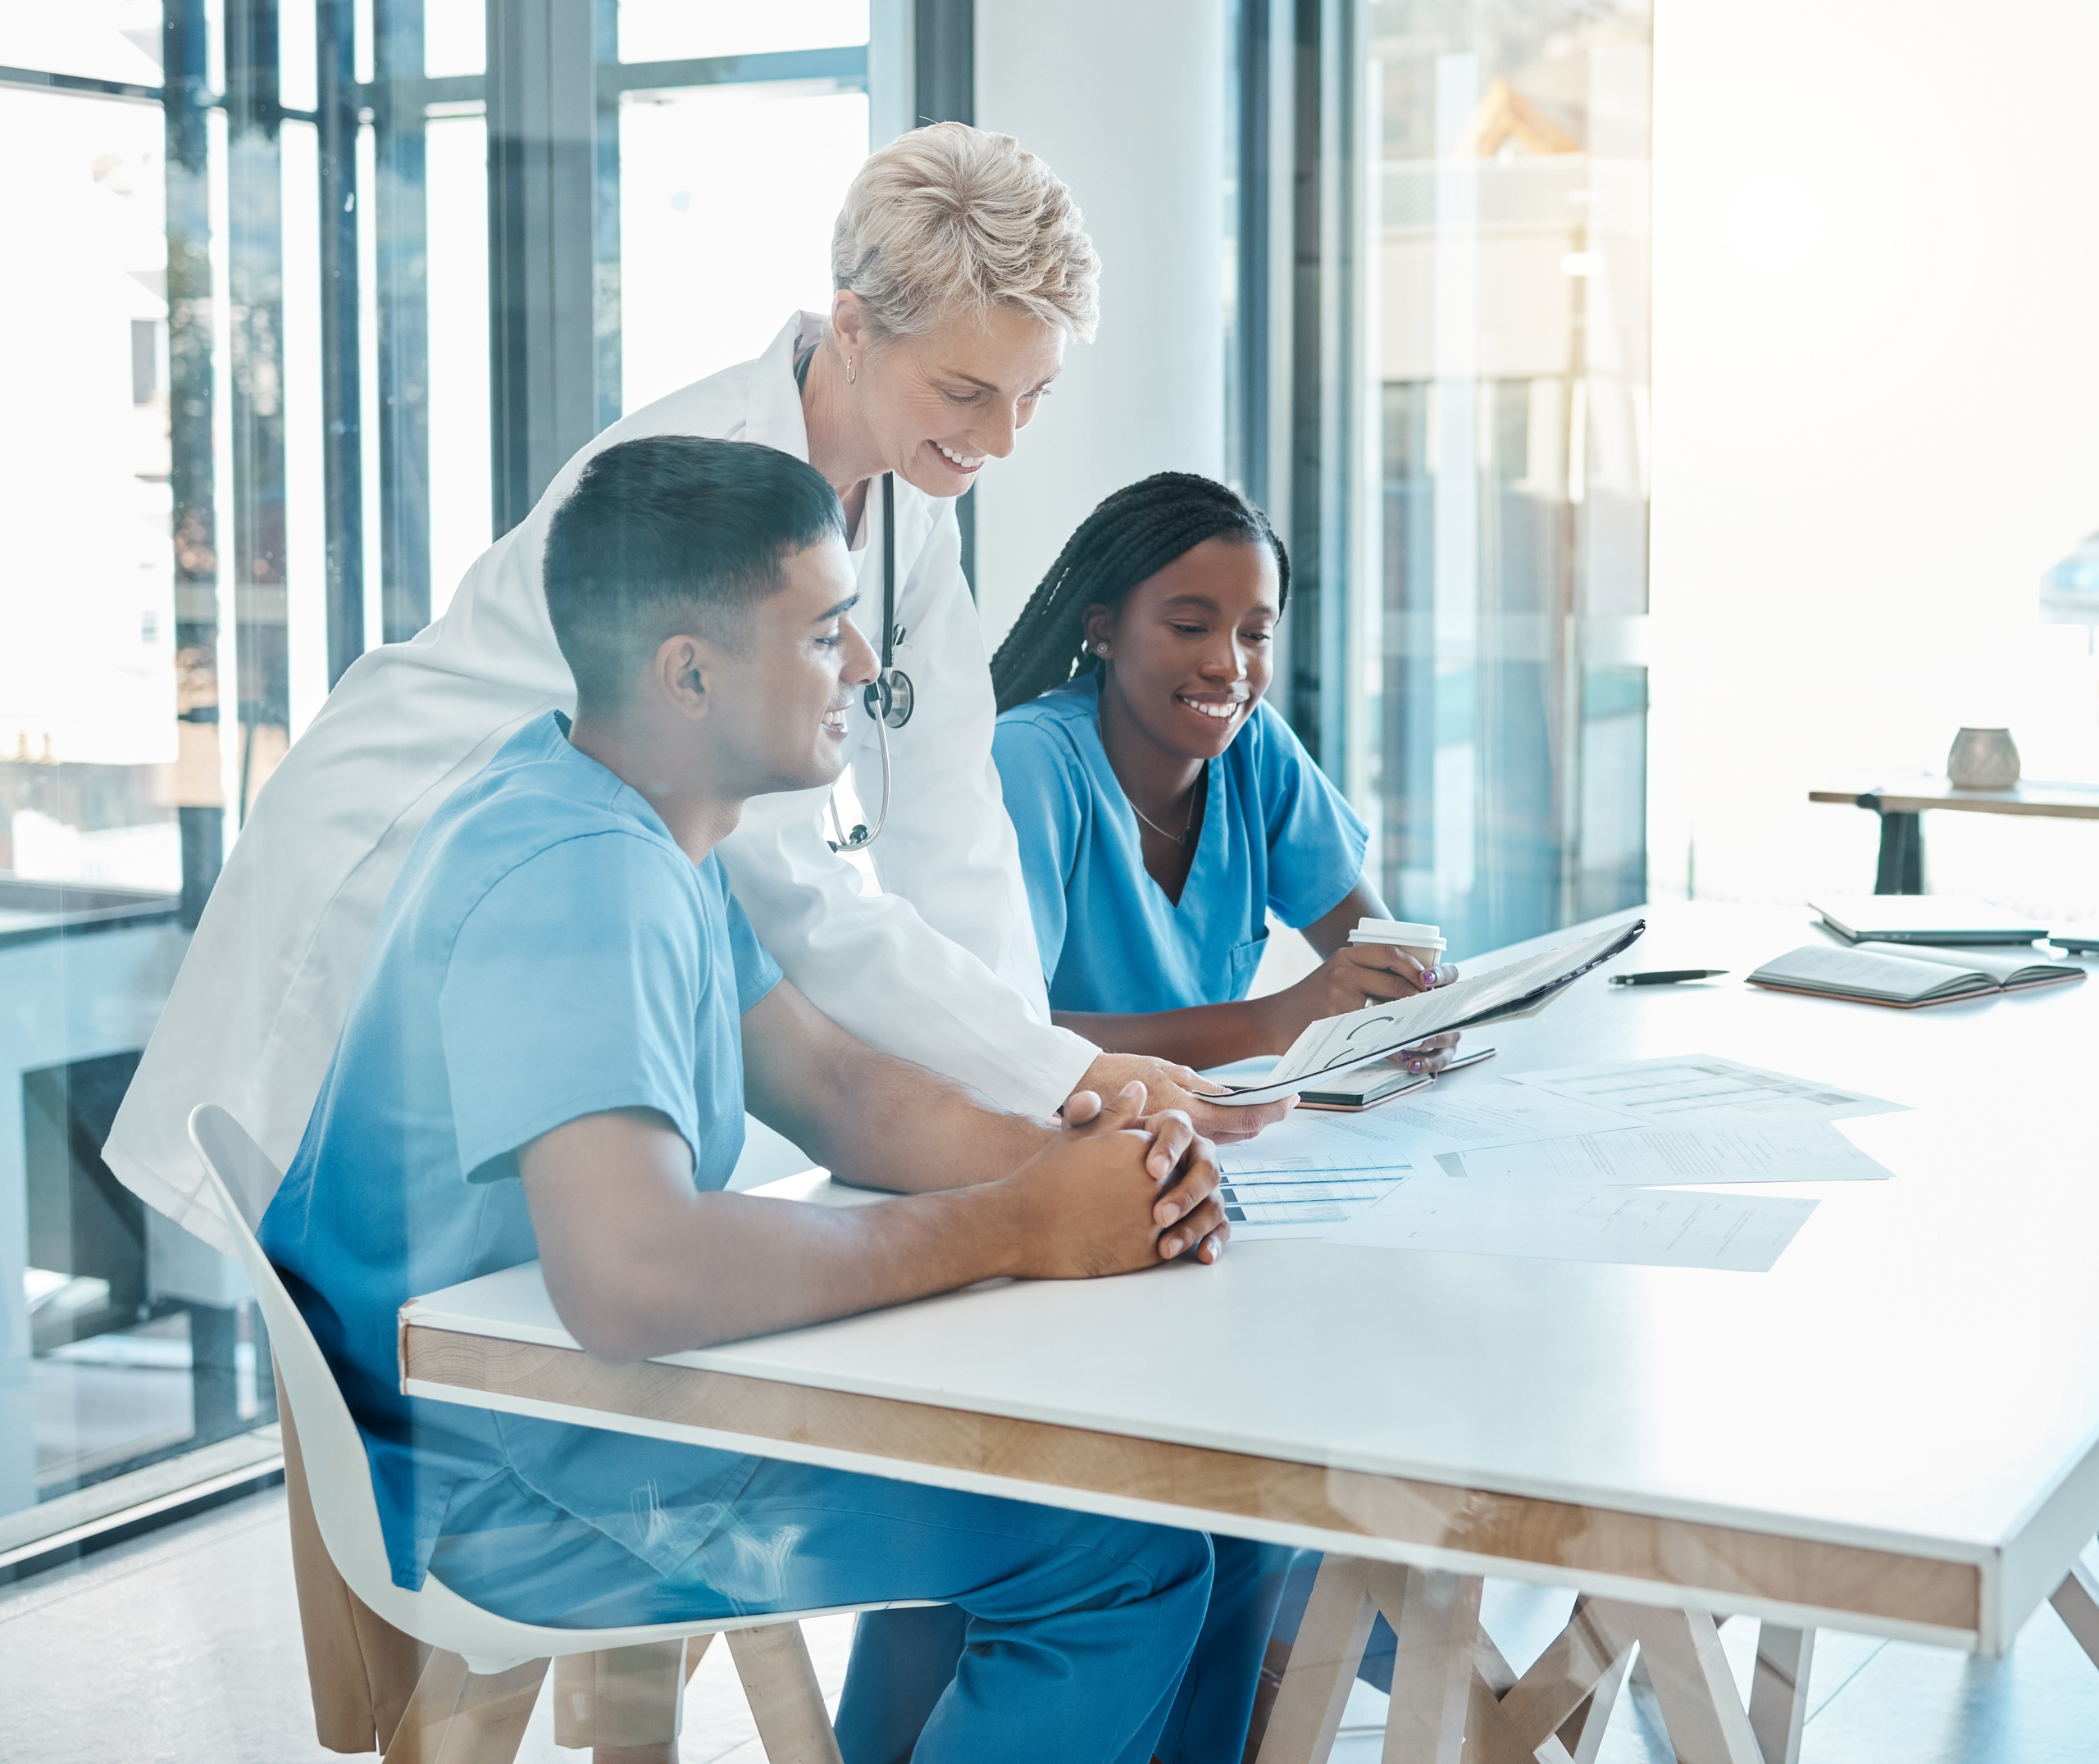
(1665, 976)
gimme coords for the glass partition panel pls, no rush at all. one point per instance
(248, 430)
(126, 1344)
(1508, 346)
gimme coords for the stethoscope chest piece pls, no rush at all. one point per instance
(896, 695)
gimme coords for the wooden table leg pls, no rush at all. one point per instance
(1436, 1617)
(1777, 1695)
(1490, 1736)
(1331, 1638)
(1582, 1732)
(1436, 1683)
(1572, 1671)
(2077, 1603)
(1693, 1684)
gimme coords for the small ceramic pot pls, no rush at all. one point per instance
(1984, 759)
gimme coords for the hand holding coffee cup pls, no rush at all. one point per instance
(1425, 943)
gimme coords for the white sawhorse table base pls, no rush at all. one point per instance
(1455, 1700)
(2077, 1603)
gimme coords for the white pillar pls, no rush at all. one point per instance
(1126, 101)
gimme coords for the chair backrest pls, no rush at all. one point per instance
(242, 1179)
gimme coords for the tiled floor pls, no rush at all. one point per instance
(184, 1646)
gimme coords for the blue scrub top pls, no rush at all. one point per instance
(548, 951)
(1276, 836)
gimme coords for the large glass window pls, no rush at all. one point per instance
(1503, 578)
(254, 417)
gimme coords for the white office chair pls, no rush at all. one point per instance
(473, 1699)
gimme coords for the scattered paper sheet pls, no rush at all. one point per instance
(1480, 1111)
(1568, 1222)
(1813, 1152)
(1288, 1204)
(1702, 1090)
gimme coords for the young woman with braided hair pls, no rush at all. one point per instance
(1164, 812)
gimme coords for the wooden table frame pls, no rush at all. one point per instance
(1415, 1551)
(953, 1394)
(1901, 807)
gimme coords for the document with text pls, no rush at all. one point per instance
(1562, 1221)
(1479, 1111)
(1814, 1151)
(1703, 1089)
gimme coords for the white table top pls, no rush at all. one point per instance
(1919, 1373)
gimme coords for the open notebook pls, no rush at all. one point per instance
(1338, 1044)
(1907, 976)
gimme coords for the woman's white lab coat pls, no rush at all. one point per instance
(941, 969)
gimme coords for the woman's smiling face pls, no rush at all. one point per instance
(1190, 651)
(937, 406)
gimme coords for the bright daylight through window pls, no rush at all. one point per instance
(251, 425)
(1507, 337)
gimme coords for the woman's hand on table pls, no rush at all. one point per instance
(1429, 1056)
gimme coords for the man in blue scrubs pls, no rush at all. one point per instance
(562, 1018)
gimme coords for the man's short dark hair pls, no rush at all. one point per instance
(673, 534)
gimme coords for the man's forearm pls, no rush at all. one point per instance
(638, 1262)
(870, 1118)
(912, 1131)
(733, 1266)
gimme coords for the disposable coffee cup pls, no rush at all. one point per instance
(1425, 943)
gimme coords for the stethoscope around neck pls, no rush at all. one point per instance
(890, 698)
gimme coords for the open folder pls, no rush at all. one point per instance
(1338, 1044)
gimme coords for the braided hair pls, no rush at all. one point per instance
(1130, 538)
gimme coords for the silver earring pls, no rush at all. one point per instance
(850, 374)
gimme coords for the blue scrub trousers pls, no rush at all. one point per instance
(911, 1655)
(1074, 1629)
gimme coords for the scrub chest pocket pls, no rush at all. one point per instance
(1244, 961)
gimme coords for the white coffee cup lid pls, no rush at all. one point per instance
(1397, 931)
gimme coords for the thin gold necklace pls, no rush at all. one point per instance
(1185, 838)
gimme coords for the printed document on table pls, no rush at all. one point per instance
(1479, 1111)
(1815, 1151)
(1293, 1203)
(1562, 1221)
(1702, 1090)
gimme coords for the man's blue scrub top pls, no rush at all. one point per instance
(1276, 834)
(548, 951)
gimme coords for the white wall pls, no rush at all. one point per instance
(1126, 103)
(1876, 424)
